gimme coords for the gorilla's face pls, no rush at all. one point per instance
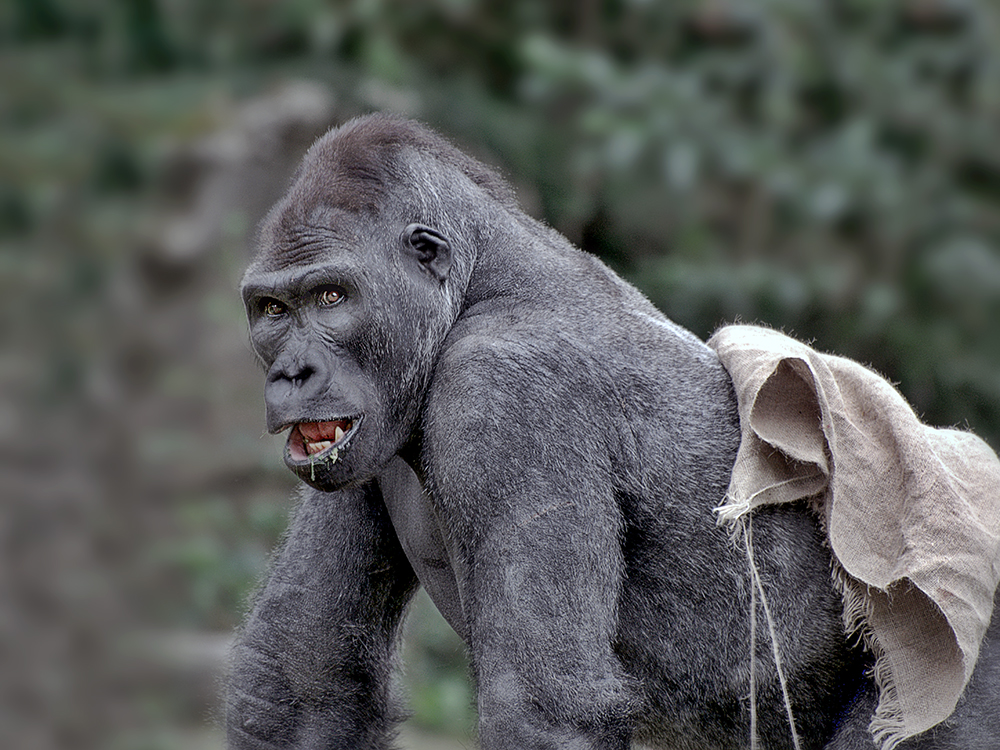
(346, 314)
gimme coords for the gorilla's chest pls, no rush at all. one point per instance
(420, 536)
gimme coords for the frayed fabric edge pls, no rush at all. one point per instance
(733, 508)
(887, 726)
(729, 513)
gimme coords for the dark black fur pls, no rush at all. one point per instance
(542, 450)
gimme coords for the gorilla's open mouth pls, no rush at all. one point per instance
(317, 440)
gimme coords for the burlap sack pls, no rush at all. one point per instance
(912, 513)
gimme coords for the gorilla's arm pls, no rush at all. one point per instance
(544, 596)
(312, 665)
(523, 486)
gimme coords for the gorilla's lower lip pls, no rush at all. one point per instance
(312, 441)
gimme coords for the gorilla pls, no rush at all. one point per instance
(477, 407)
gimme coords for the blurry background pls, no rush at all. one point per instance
(828, 167)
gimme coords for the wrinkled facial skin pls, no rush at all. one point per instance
(347, 330)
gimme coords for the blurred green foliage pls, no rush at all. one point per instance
(828, 167)
(212, 561)
(435, 677)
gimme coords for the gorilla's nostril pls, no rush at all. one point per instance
(299, 379)
(297, 376)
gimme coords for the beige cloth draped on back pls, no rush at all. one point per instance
(912, 513)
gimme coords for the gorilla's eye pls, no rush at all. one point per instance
(272, 308)
(330, 295)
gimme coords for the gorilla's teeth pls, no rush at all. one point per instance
(337, 435)
(314, 448)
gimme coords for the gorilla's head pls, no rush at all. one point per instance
(361, 271)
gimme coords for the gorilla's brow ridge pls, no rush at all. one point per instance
(292, 242)
(300, 279)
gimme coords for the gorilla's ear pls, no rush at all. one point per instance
(430, 248)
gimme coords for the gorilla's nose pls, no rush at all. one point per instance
(292, 383)
(294, 377)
